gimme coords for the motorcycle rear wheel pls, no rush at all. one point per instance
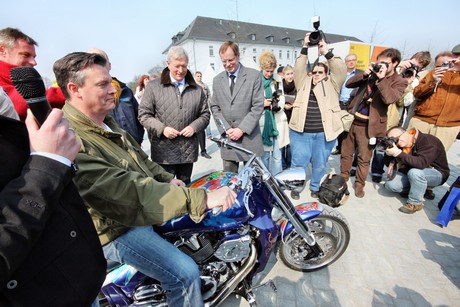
(332, 233)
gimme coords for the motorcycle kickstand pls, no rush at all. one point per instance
(246, 291)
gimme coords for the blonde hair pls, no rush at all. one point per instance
(267, 60)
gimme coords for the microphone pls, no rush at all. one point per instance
(30, 86)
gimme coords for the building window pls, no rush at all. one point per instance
(211, 50)
(212, 66)
(295, 54)
(244, 51)
(288, 54)
(255, 59)
(253, 37)
(280, 54)
(254, 50)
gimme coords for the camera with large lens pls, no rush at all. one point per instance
(377, 66)
(317, 35)
(276, 100)
(387, 142)
(410, 71)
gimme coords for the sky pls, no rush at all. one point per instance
(135, 33)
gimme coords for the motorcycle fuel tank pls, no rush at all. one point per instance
(229, 219)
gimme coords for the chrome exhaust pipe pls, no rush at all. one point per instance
(234, 282)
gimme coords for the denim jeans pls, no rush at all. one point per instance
(272, 159)
(149, 253)
(416, 181)
(311, 148)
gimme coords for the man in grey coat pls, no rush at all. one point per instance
(237, 103)
(174, 110)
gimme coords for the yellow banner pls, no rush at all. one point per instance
(363, 52)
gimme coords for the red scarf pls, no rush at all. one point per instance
(5, 81)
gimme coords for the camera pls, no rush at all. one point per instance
(387, 142)
(446, 65)
(410, 71)
(275, 100)
(377, 66)
(317, 35)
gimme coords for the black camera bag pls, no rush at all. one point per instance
(333, 191)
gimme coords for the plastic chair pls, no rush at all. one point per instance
(447, 210)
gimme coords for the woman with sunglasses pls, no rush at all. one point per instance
(315, 121)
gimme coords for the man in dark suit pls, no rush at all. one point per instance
(49, 251)
(237, 103)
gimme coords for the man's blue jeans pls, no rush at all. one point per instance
(416, 181)
(272, 159)
(311, 148)
(149, 253)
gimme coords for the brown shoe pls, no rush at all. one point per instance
(411, 208)
(359, 190)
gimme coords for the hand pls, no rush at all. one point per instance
(223, 197)
(187, 132)
(393, 151)
(267, 103)
(369, 69)
(54, 136)
(170, 133)
(405, 64)
(235, 133)
(177, 182)
(438, 73)
(306, 40)
(322, 47)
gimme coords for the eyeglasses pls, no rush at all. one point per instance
(317, 72)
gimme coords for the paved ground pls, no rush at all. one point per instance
(393, 259)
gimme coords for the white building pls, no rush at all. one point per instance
(203, 37)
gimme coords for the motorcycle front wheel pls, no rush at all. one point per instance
(332, 233)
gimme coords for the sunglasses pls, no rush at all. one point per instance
(317, 72)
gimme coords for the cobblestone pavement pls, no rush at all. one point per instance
(393, 259)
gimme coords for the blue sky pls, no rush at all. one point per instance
(135, 33)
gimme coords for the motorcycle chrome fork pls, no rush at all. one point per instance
(289, 209)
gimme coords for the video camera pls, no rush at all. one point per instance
(317, 35)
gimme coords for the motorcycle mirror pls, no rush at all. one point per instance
(292, 179)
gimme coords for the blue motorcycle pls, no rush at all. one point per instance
(231, 247)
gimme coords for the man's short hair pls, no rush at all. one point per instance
(229, 44)
(326, 69)
(69, 68)
(391, 53)
(446, 53)
(423, 57)
(176, 53)
(9, 36)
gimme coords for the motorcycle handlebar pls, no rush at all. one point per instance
(222, 141)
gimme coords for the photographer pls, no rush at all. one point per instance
(421, 161)
(378, 87)
(273, 123)
(438, 112)
(315, 122)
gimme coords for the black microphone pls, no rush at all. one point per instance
(30, 86)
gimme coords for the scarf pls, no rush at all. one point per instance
(267, 86)
(289, 88)
(270, 130)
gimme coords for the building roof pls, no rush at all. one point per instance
(215, 29)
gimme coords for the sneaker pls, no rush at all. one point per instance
(205, 154)
(314, 194)
(377, 179)
(411, 208)
(353, 173)
(295, 195)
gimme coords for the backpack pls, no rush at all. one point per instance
(333, 191)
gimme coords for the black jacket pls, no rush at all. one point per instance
(50, 254)
(427, 151)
